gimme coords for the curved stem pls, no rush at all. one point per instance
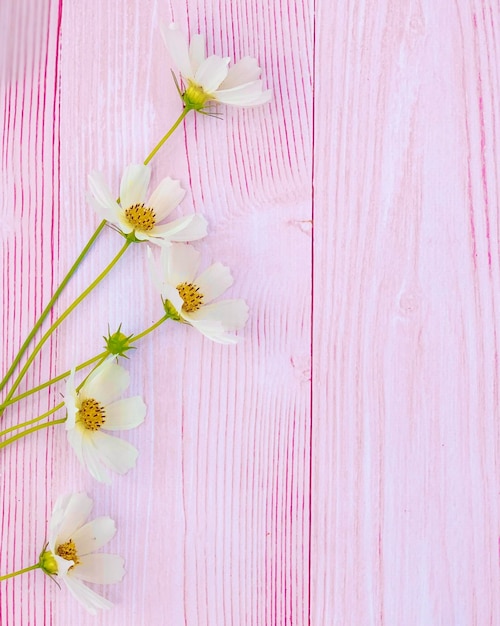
(33, 421)
(56, 379)
(20, 571)
(7, 442)
(185, 111)
(51, 303)
(149, 329)
(64, 315)
(76, 264)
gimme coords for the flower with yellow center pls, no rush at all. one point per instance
(188, 296)
(211, 79)
(95, 408)
(139, 219)
(69, 553)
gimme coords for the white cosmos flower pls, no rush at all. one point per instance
(133, 215)
(69, 553)
(191, 296)
(210, 78)
(96, 408)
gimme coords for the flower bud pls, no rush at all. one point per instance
(118, 343)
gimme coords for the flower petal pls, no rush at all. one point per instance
(188, 228)
(117, 454)
(106, 383)
(125, 414)
(172, 295)
(85, 596)
(180, 263)
(70, 399)
(177, 46)
(69, 513)
(93, 535)
(196, 52)
(214, 281)
(212, 329)
(232, 314)
(134, 184)
(63, 565)
(166, 197)
(91, 458)
(247, 95)
(102, 569)
(75, 440)
(102, 195)
(246, 70)
(211, 73)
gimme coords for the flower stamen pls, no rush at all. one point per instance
(68, 552)
(141, 217)
(191, 296)
(92, 414)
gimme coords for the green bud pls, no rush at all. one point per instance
(48, 563)
(118, 343)
(195, 97)
(131, 237)
(171, 311)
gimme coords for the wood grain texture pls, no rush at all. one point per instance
(214, 522)
(365, 494)
(405, 518)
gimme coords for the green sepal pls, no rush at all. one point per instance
(117, 343)
(171, 312)
(47, 562)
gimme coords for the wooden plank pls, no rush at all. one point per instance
(214, 521)
(406, 300)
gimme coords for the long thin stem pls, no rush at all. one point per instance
(56, 379)
(51, 303)
(76, 264)
(62, 317)
(149, 329)
(28, 431)
(185, 111)
(33, 421)
(99, 356)
(20, 571)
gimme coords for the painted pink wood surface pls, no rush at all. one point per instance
(214, 522)
(405, 417)
(360, 487)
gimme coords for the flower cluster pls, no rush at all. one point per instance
(95, 411)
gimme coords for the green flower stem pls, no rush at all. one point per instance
(51, 303)
(76, 265)
(28, 431)
(149, 329)
(33, 421)
(181, 117)
(20, 571)
(62, 317)
(52, 381)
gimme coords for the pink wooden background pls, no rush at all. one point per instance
(340, 466)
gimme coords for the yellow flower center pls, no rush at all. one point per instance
(91, 414)
(195, 97)
(68, 551)
(191, 296)
(140, 217)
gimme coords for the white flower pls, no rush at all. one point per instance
(211, 79)
(140, 219)
(69, 551)
(191, 297)
(95, 407)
